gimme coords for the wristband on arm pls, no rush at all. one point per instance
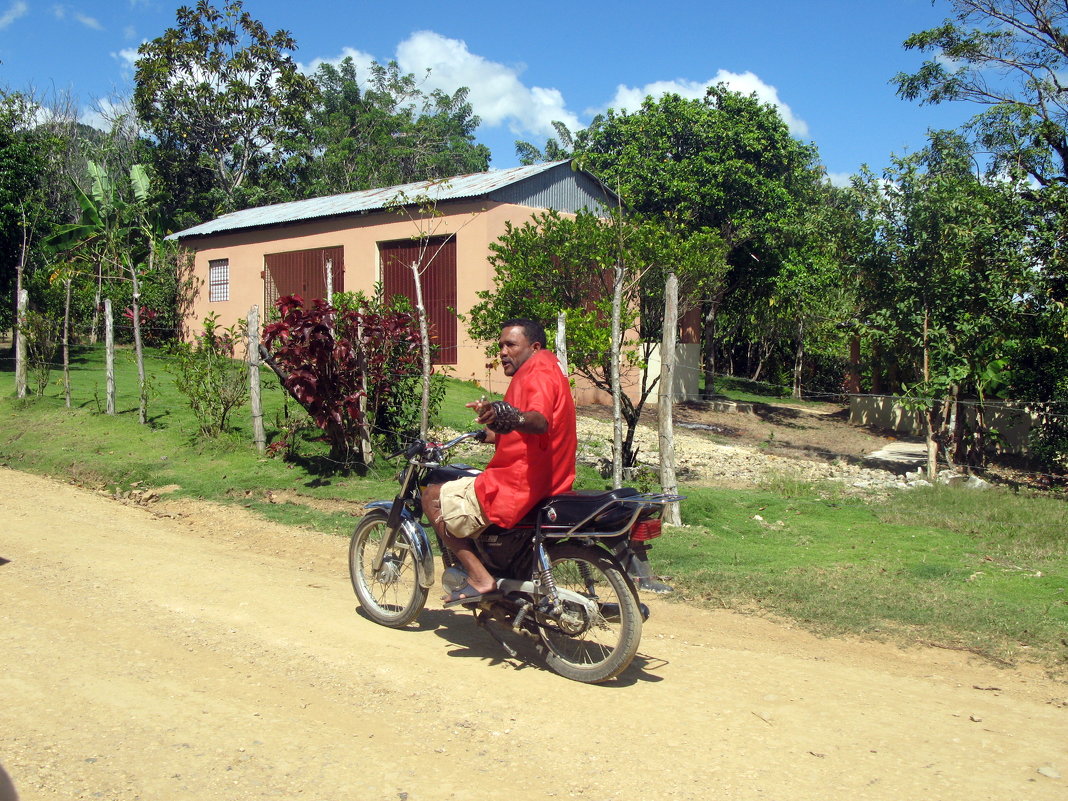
(508, 418)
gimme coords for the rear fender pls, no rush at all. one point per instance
(423, 555)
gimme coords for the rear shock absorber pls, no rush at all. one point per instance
(547, 580)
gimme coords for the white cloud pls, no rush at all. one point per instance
(126, 58)
(14, 11)
(88, 22)
(497, 94)
(500, 98)
(629, 98)
(60, 12)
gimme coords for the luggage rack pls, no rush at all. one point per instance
(639, 501)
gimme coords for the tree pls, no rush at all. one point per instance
(725, 163)
(942, 281)
(221, 96)
(26, 213)
(381, 129)
(558, 148)
(555, 263)
(1011, 55)
(100, 240)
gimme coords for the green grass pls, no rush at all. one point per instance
(927, 565)
(742, 389)
(983, 571)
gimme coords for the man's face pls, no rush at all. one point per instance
(515, 348)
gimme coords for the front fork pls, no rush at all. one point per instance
(399, 517)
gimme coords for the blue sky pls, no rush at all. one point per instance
(826, 63)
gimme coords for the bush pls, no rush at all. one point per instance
(39, 332)
(336, 356)
(206, 373)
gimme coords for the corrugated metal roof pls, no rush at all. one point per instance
(456, 188)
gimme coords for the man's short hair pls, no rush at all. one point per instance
(532, 329)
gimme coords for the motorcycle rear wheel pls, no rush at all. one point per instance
(391, 596)
(597, 650)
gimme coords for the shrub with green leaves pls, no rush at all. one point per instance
(39, 332)
(205, 371)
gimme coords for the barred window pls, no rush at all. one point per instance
(218, 280)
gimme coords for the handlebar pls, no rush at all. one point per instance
(419, 447)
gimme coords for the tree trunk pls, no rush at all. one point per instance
(96, 303)
(424, 343)
(617, 414)
(708, 335)
(20, 313)
(366, 452)
(561, 341)
(799, 359)
(665, 406)
(930, 416)
(109, 355)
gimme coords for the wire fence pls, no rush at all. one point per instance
(154, 334)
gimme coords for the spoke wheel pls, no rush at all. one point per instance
(591, 643)
(392, 595)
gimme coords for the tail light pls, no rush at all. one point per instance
(645, 530)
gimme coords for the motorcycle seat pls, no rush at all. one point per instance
(609, 510)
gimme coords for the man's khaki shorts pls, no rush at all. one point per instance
(460, 509)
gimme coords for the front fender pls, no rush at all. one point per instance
(422, 555)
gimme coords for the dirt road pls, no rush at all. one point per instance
(207, 655)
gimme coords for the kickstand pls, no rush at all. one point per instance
(482, 619)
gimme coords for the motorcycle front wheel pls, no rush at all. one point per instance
(587, 647)
(392, 595)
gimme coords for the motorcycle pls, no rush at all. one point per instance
(563, 573)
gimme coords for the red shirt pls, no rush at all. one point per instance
(528, 467)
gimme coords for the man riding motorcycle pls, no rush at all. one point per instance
(533, 431)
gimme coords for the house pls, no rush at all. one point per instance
(252, 257)
(356, 240)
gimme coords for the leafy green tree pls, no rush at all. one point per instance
(555, 263)
(726, 163)
(27, 210)
(101, 240)
(1011, 56)
(942, 281)
(221, 97)
(382, 129)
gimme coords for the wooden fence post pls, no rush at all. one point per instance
(109, 355)
(66, 344)
(665, 417)
(561, 341)
(258, 435)
(20, 344)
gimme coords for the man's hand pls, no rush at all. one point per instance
(501, 417)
